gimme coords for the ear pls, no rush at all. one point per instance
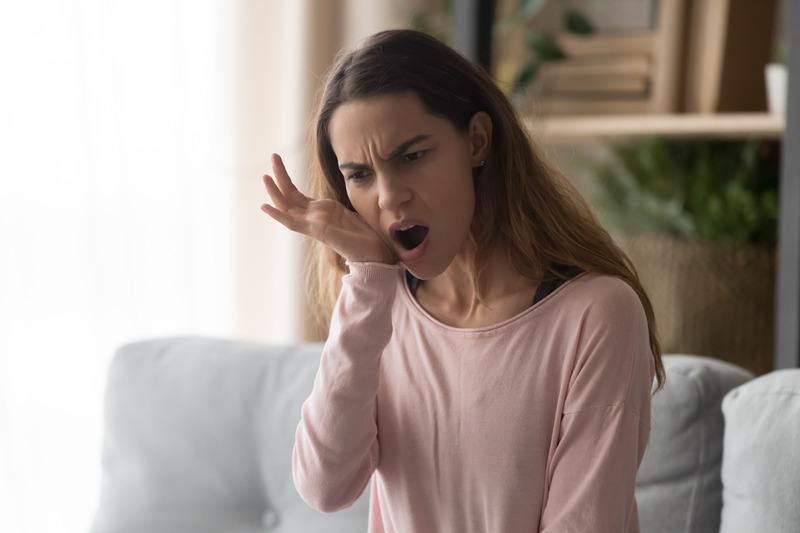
(480, 137)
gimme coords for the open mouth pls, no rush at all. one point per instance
(411, 236)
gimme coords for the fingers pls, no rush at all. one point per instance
(275, 194)
(284, 182)
(289, 204)
(292, 196)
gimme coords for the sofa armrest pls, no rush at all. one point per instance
(761, 467)
(678, 484)
(199, 435)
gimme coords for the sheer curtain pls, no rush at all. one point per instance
(276, 96)
(133, 134)
(116, 222)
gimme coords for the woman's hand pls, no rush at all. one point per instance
(327, 221)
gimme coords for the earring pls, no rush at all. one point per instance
(483, 162)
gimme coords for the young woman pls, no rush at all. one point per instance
(491, 352)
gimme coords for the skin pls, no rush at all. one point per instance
(402, 166)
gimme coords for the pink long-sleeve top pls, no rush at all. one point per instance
(538, 423)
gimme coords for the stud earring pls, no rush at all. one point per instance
(483, 162)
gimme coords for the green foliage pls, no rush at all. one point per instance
(523, 77)
(723, 191)
(577, 22)
(542, 45)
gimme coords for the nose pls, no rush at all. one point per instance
(392, 191)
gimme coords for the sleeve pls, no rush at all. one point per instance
(605, 422)
(336, 445)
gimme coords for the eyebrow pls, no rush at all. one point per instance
(394, 153)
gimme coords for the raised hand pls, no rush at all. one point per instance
(326, 220)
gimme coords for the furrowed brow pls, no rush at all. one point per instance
(405, 146)
(352, 165)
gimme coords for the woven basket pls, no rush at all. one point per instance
(710, 299)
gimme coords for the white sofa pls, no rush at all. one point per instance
(199, 433)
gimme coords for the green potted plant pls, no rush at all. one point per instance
(699, 221)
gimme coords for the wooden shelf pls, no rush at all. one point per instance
(570, 130)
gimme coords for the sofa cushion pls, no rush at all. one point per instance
(678, 484)
(761, 467)
(199, 435)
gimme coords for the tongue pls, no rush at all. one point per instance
(412, 237)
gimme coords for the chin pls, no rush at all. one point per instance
(424, 272)
(422, 276)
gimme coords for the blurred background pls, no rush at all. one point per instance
(134, 136)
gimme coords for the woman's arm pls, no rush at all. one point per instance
(605, 420)
(336, 447)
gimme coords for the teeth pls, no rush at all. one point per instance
(404, 228)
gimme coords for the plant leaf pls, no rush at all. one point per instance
(543, 45)
(577, 22)
(525, 75)
(723, 191)
(522, 79)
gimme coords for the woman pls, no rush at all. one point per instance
(491, 351)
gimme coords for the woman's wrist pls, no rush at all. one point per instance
(373, 270)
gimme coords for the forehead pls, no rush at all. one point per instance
(380, 124)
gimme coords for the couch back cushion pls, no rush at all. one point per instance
(199, 435)
(678, 485)
(761, 467)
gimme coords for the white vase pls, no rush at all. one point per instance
(776, 77)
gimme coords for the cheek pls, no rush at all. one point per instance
(361, 202)
(465, 199)
(459, 188)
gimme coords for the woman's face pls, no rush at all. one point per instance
(408, 174)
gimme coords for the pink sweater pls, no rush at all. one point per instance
(538, 423)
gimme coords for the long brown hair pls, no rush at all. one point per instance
(521, 202)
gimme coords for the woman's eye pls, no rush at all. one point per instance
(413, 156)
(357, 176)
